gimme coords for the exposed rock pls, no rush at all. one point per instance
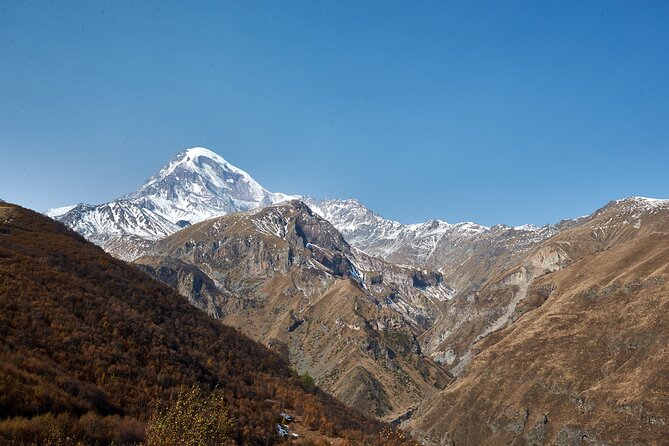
(584, 359)
(285, 276)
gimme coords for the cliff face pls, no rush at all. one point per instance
(287, 278)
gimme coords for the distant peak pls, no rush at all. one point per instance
(192, 159)
(196, 152)
(633, 204)
(201, 151)
(643, 201)
(649, 200)
(638, 199)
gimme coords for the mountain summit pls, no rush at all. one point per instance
(195, 185)
(198, 184)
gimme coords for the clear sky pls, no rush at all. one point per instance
(494, 112)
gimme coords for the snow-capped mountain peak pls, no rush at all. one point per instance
(644, 203)
(198, 184)
(371, 232)
(195, 185)
(209, 166)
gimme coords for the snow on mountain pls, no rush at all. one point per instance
(196, 185)
(376, 235)
(631, 211)
(117, 218)
(461, 251)
(643, 204)
(370, 232)
(57, 212)
(361, 226)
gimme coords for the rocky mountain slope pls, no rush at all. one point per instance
(465, 253)
(197, 184)
(90, 344)
(581, 356)
(287, 278)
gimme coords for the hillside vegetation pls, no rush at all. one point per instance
(91, 345)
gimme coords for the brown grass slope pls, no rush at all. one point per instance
(92, 344)
(587, 359)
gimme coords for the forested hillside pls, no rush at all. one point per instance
(91, 345)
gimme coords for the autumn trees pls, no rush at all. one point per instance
(91, 346)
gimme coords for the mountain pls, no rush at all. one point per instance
(91, 344)
(120, 227)
(197, 184)
(385, 238)
(582, 357)
(465, 253)
(287, 278)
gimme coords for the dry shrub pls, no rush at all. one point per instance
(65, 429)
(194, 419)
(41, 430)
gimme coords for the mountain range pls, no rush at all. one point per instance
(197, 184)
(443, 328)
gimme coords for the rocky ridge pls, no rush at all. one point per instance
(286, 277)
(464, 252)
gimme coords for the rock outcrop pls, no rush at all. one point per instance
(287, 278)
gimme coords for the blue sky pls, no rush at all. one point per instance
(494, 112)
